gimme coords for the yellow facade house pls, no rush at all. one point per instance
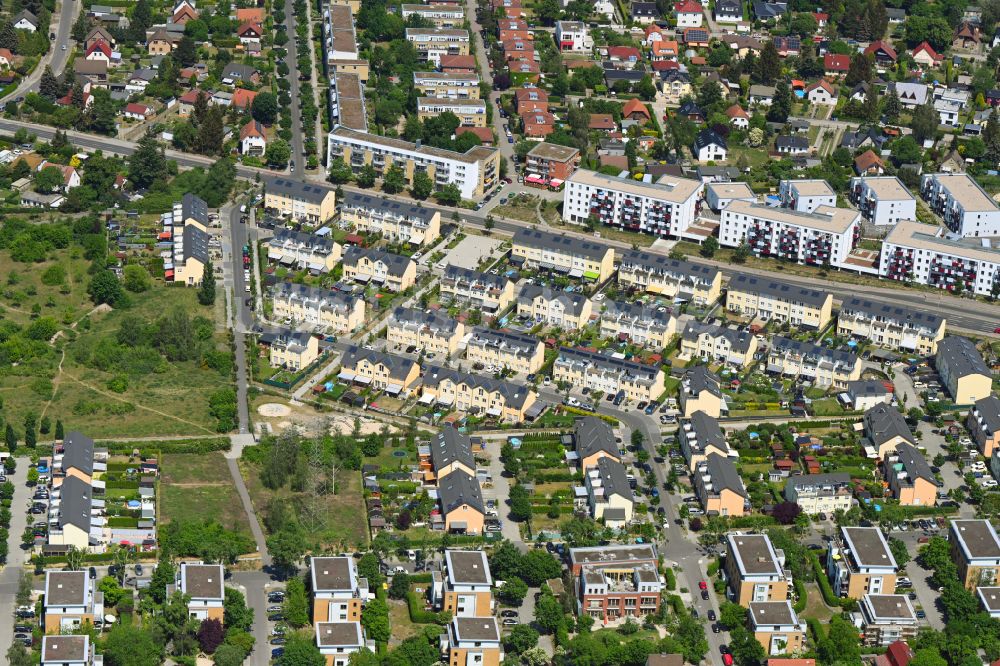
(299, 200)
(410, 328)
(396, 375)
(496, 398)
(761, 298)
(505, 349)
(336, 311)
(394, 220)
(393, 271)
(673, 278)
(537, 249)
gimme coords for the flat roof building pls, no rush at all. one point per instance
(965, 207)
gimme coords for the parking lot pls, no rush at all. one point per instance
(471, 251)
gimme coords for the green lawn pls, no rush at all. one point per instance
(199, 486)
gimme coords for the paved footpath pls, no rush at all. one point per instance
(16, 556)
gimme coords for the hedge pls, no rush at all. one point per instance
(671, 579)
(546, 508)
(829, 597)
(816, 629)
(676, 603)
(121, 485)
(802, 593)
(421, 578)
(558, 477)
(170, 446)
(420, 616)
(126, 522)
(582, 412)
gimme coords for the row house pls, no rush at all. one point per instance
(805, 196)
(667, 207)
(530, 99)
(392, 271)
(718, 343)
(396, 375)
(447, 85)
(513, 28)
(885, 429)
(754, 570)
(338, 591)
(594, 440)
(917, 253)
(882, 200)
(448, 451)
(760, 298)
(909, 477)
(337, 311)
(616, 581)
(671, 278)
(484, 291)
(299, 200)
(534, 248)
(609, 494)
(579, 367)
(965, 207)
(964, 373)
(554, 307)
(701, 391)
(859, 562)
(521, 353)
(646, 325)
(289, 348)
(983, 423)
(825, 236)
(397, 221)
(719, 487)
(700, 436)
(467, 392)
(823, 366)
(975, 549)
(427, 331)
(303, 251)
(891, 326)
(821, 493)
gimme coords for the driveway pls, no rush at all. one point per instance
(16, 557)
(500, 492)
(255, 585)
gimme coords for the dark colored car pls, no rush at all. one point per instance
(93, 573)
(704, 595)
(275, 617)
(278, 640)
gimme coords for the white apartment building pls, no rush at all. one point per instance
(883, 200)
(573, 36)
(441, 15)
(965, 207)
(432, 43)
(825, 236)
(665, 208)
(339, 37)
(470, 112)
(806, 196)
(913, 252)
(447, 85)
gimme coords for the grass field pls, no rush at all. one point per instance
(198, 486)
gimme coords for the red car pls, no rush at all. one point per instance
(997, 330)
(702, 585)
(727, 659)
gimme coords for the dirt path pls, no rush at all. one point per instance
(55, 384)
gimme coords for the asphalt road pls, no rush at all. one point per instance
(56, 57)
(298, 150)
(16, 556)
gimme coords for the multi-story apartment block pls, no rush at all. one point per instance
(337, 641)
(338, 311)
(432, 43)
(826, 367)
(700, 435)
(593, 440)
(462, 507)
(918, 253)
(474, 172)
(608, 593)
(909, 477)
(505, 349)
(989, 597)
(821, 493)
(534, 248)
(665, 208)
(983, 422)
(715, 342)
(754, 570)
(73, 515)
(346, 99)
(441, 15)
(776, 627)
(886, 618)
(604, 373)
(71, 599)
(760, 298)
(646, 325)
(303, 251)
(338, 591)
(299, 200)
(487, 292)
(399, 222)
(885, 428)
(859, 562)
(701, 391)
(339, 36)
(447, 85)
(62, 650)
(673, 278)
(806, 196)
(975, 548)
(719, 195)
(608, 493)
(449, 451)
(473, 641)
(203, 586)
(470, 112)
(550, 164)
(964, 206)
(882, 200)
(77, 457)
(963, 371)
(393, 271)
(468, 587)
(290, 348)
(614, 556)
(506, 401)
(573, 36)
(890, 325)
(719, 487)
(368, 367)
(554, 307)
(824, 236)
(426, 331)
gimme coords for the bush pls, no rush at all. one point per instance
(829, 597)
(420, 616)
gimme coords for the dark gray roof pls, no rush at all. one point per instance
(566, 244)
(297, 189)
(25, 14)
(450, 446)
(862, 388)
(419, 318)
(283, 336)
(776, 289)
(476, 629)
(314, 242)
(514, 394)
(238, 71)
(808, 349)
(707, 431)
(890, 312)
(754, 554)
(723, 476)
(396, 264)
(739, 339)
(977, 538)
(645, 9)
(202, 581)
(476, 277)
(195, 243)
(65, 649)
(399, 366)
(637, 312)
(338, 634)
(331, 300)
(66, 588)
(78, 453)
(884, 422)
(707, 137)
(194, 207)
(690, 108)
(700, 378)
(888, 606)
(808, 480)
(604, 362)
(989, 411)
(518, 344)
(729, 7)
(458, 489)
(914, 463)
(662, 263)
(572, 302)
(613, 478)
(468, 566)
(868, 547)
(612, 73)
(332, 573)
(961, 357)
(592, 434)
(767, 10)
(791, 142)
(369, 202)
(75, 501)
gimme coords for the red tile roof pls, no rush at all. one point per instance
(737, 111)
(635, 106)
(688, 7)
(485, 134)
(243, 98)
(880, 45)
(835, 62)
(624, 52)
(602, 121)
(134, 107)
(924, 46)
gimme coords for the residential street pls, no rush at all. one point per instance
(298, 150)
(56, 57)
(16, 556)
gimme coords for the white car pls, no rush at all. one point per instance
(988, 483)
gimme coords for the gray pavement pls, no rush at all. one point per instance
(56, 58)
(298, 150)
(255, 586)
(10, 577)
